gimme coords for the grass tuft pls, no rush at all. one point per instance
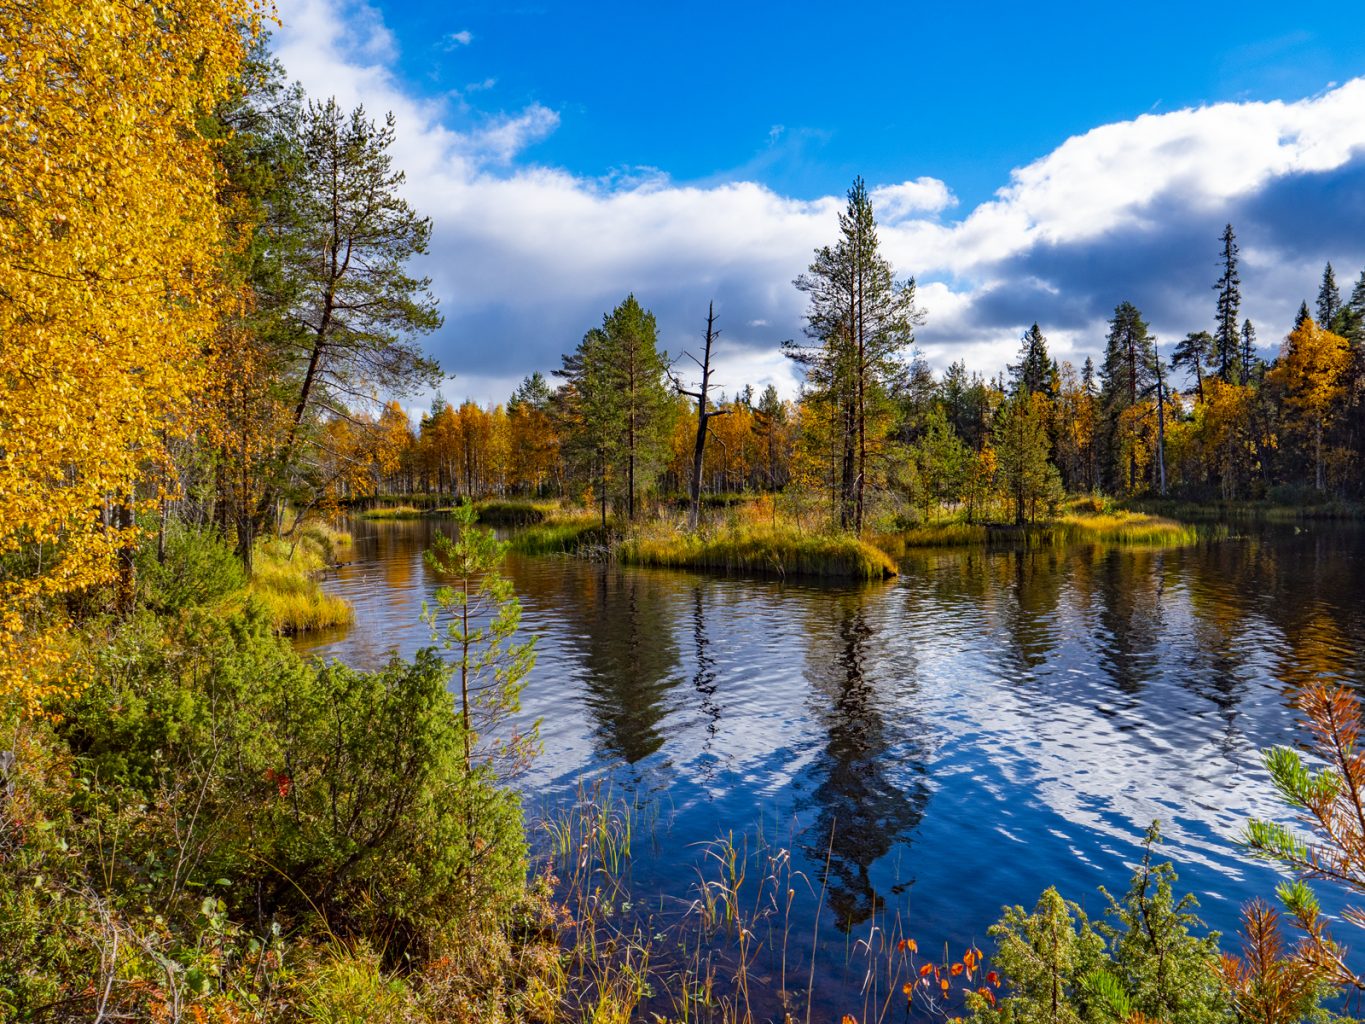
(284, 579)
(769, 551)
(560, 535)
(395, 512)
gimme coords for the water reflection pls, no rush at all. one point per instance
(871, 791)
(1015, 719)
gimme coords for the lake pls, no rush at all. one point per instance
(983, 726)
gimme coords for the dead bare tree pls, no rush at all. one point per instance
(702, 397)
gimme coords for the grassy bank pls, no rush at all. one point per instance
(284, 579)
(768, 551)
(493, 512)
(561, 535)
(1334, 509)
(399, 512)
(1078, 525)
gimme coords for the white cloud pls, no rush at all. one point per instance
(923, 195)
(457, 39)
(527, 257)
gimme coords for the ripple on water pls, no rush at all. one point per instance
(984, 726)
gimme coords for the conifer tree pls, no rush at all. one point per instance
(1229, 302)
(1249, 359)
(1126, 378)
(1035, 373)
(1303, 315)
(1329, 299)
(1193, 352)
(860, 321)
(622, 407)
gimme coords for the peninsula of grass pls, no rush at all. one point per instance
(514, 512)
(561, 535)
(284, 579)
(1119, 528)
(399, 512)
(780, 551)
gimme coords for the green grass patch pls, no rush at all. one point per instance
(560, 535)
(397, 512)
(512, 512)
(284, 573)
(1080, 525)
(766, 551)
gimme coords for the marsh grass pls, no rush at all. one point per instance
(515, 512)
(780, 551)
(284, 578)
(562, 534)
(397, 512)
(1078, 524)
(741, 944)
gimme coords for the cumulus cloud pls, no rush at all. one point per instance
(526, 257)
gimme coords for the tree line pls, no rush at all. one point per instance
(875, 435)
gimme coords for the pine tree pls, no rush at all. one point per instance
(1303, 315)
(622, 409)
(1229, 302)
(1021, 449)
(1193, 352)
(1329, 299)
(860, 320)
(533, 391)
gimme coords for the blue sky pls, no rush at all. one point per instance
(1030, 164)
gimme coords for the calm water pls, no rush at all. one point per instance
(984, 726)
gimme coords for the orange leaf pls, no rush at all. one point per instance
(925, 969)
(956, 969)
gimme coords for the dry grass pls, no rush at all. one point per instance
(764, 550)
(560, 535)
(395, 512)
(284, 575)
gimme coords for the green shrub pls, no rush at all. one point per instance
(199, 569)
(1143, 959)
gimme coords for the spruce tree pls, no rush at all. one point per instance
(1329, 298)
(1249, 358)
(1035, 373)
(1303, 315)
(1126, 378)
(1229, 302)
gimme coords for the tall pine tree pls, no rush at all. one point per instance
(860, 320)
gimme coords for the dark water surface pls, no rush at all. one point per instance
(986, 725)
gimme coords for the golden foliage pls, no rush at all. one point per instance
(110, 240)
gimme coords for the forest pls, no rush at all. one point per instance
(209, 326)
